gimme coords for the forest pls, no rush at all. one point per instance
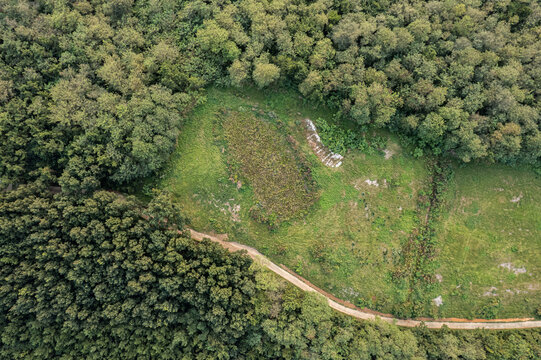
(94, 96)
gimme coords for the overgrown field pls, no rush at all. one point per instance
(259, 154)
(349, 234)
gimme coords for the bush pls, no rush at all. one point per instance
(340, 140)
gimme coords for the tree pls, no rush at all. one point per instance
(506, 142)
(312, 85)
(215, 39)
(238, 72)
(265, 74)
(432, 128)
(373, 104)
(430, 53)
(108, 135)
(70, 77)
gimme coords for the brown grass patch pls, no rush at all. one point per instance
(258, 153)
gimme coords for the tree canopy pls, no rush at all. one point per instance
(92, 277)
(92, 96)
(459, 78)
(87, 92)
(95, 90)
(102, 277)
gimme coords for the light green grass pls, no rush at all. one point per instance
(350, 238)
(349, 242)
(483, 229)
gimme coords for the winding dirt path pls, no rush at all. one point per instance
(365, 314)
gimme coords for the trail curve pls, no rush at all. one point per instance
(365, 314)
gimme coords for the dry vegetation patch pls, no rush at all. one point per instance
(258, 153)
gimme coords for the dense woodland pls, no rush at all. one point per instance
(96, 90)
(459, 78)
(92, 97)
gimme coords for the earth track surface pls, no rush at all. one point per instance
(365, 314)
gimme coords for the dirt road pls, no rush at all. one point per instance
(302, 284)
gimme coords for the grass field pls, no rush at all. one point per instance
(349, 241)
(490, 242)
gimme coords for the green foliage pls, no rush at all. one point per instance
(415, 269)
(265, 74)
(95, 278)
(358, 226)
(214, 39)
(300, 325)
(337, 139)
(478, 344)
(269, 165)
(88, 92)
(98, 280)
(340, 140)
(350, 241)
(460, 79)
(92, 95)
(110, 137)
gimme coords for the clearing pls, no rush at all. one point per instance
(343, 228)
(490, 241)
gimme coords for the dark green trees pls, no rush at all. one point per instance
(92, 95)
(461, 79)
(109, 136)
(99, 277)
(87, 91)
(92, 278)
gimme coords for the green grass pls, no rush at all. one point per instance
(349, 241)
(483, 229)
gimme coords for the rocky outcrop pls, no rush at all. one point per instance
(326, 156)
